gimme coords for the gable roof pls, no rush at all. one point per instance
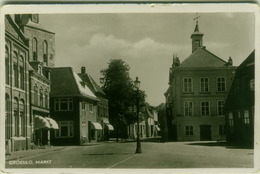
(203, 58)
(66, 82)
(93, 86)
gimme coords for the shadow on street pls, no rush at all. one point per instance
(223, 144)
(94, 154)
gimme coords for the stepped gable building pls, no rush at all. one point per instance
(240, 104)
(74, 107)
(196, 94)
(102, 105)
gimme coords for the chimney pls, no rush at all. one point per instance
(83, 70)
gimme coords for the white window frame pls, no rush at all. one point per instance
(58, 101)
(218, 104)
(70, 127)
(202, 107)
(204, 84)
(188, 89)
(189, 130)
(91, 108)
(246, 117)
(186, 105)
(217, 83)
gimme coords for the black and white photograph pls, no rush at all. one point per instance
(130, 86)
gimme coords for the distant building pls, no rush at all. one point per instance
(196, 94)
(102, 105)
(148, 125)
(74, 107)
(240, 104)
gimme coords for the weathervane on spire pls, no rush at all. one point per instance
(196, 18)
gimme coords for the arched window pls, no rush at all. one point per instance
(16, 118)
(22, 126)
(45, 52)
(7, 66)
(46, 99)
(41, 97)
(21, 72)
(34, 48)
(35, 95)
(15, 70)
(7, 117)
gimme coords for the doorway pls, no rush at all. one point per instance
(205, 133)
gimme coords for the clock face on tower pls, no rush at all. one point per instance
(35, 18)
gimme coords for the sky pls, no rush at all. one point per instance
(146, 42)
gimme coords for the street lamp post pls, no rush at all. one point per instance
(138, 141)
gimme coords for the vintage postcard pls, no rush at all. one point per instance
(147, 88)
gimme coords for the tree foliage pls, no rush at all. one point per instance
(119, 88)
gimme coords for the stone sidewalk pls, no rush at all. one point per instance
(24, 153)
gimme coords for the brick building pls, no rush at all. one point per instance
(196, 94)
(41, 42)
(17, 129)
(240, 104)
(74, 107)
(102, 105)
(23, 76)
(41, 57)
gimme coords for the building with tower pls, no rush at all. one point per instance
(197, 90)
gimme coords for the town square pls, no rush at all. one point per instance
(120, 90)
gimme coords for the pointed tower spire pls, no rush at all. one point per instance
(196, 36)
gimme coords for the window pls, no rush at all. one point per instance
(91, 108)
(41, 97)
(252, 84)
(189, 130)
(63, 104)
(35, 95)
(22, 126)
(221, 84)
(221, 107)
(246, 117)
(46, 99)
(222, 130)
(7, 66)
(187, 84)
(16, 118)
(231, 122)
(35, 52)
(45, 52)
(15, 70)
(188, 108)
(204, 84)
(66, 129)
(21, 75)
(205, 108)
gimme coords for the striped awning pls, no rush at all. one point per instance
(41, 123)
(53, 123)
(95, 125)
(157, 128)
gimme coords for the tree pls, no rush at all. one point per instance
(161, 110)
(119, 88)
